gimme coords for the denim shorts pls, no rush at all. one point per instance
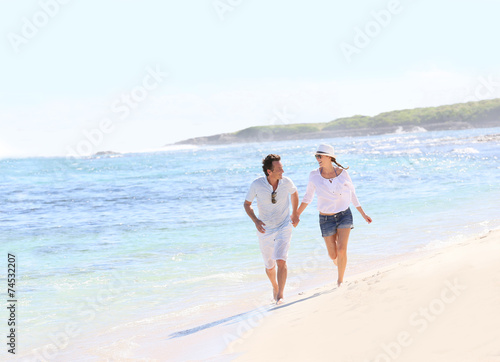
(330, 223)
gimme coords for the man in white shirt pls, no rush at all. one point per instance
(274, 224)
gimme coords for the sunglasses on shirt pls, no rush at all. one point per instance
(273, 197)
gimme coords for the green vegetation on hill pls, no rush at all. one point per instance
(349, 123)
(462, 115)
(282, 129)
(471, 112)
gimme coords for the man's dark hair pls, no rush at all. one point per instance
(267, 163)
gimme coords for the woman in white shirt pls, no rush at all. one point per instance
(335, 192)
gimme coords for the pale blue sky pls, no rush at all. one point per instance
(263, 58)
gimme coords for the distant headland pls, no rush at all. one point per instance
(478, 114)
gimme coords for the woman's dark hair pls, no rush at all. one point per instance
(338, 164)
(267, 163)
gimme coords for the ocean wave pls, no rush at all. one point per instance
(469, 232)
(411, 151)
(488, 138)
(234, 276)
(465, 151)
(171, 316)
(414, 129)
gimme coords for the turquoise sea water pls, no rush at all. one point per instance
(106, 244)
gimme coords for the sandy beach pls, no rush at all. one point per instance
(442, 306)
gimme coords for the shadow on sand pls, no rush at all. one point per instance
(242, 316)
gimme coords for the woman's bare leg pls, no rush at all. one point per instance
(331, 246)
(343, 238)
(335, 261)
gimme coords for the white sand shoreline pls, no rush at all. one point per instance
(435, 305)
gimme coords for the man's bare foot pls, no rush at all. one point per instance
(339, 284)
(275, 293)
(280, 301)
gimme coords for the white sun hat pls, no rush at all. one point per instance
(325, 150)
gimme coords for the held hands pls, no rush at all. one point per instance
(260, 226)
(295, 219)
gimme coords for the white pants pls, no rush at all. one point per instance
(274, 245)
